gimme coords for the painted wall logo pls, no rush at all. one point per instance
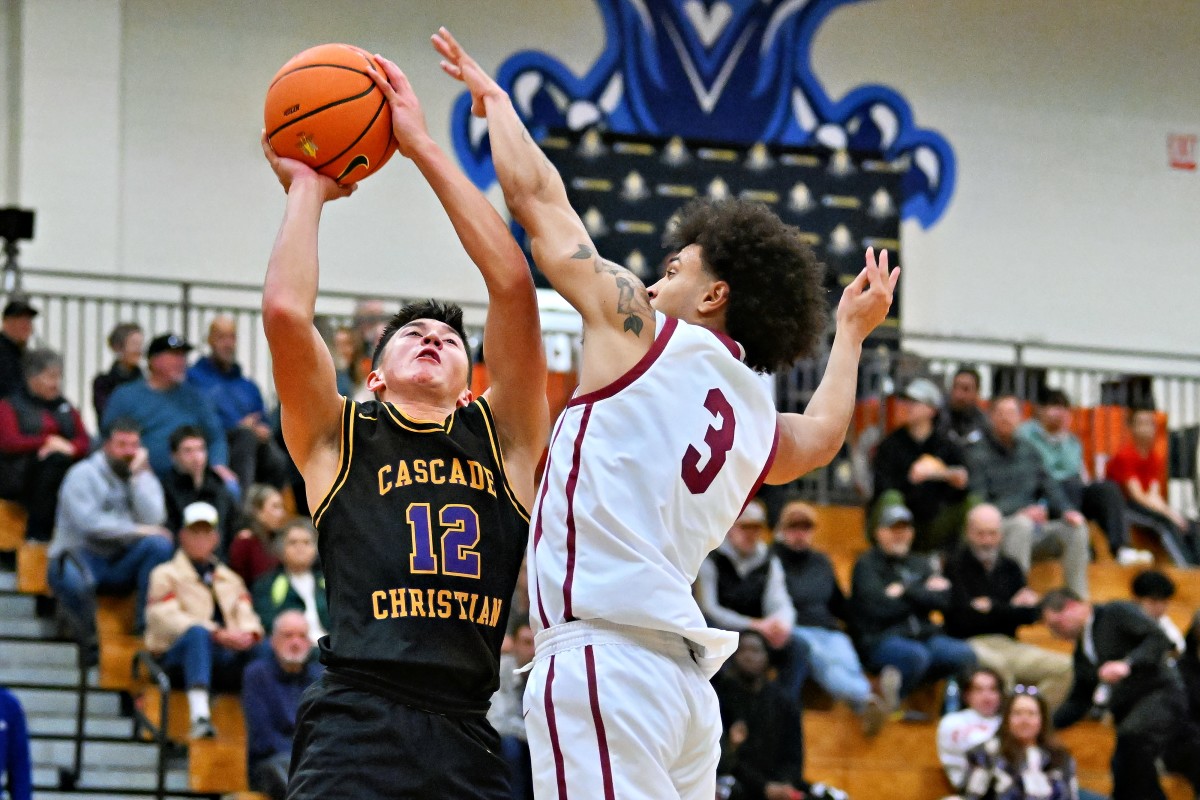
(726, 70)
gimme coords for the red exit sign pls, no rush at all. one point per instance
(1181, 150)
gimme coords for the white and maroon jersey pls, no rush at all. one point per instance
(644, 478)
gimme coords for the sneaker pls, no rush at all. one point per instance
(1129, 557)
(202, 729)
(889, 688)
(873, 716)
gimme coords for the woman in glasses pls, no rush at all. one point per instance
(1025, 760)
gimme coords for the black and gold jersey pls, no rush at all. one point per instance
(421, 540)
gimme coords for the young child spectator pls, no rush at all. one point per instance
(1140, 471)
(108, 534)
(892, 597)
(191, 480)
(1025, 761)
(1153, 590)
(199, 617)
(16, 772)
(820, 609)
(252, 553)
(126, 341)
(762, 750)
(296, 584)
(271, 690)
(960, 731)
(41, 436)
(506, 711)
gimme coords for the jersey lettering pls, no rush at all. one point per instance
(460, 536)
(719, 441)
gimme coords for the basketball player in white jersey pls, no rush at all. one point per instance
(670, 434)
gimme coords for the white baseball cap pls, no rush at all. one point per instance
(200, 512)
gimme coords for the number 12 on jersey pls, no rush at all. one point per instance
(460, 533)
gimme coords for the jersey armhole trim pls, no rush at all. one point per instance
(497, 453)
(762, 476)
(665, 331)
(345, 453)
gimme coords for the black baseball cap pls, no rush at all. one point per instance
(167, 341)
(19, 307)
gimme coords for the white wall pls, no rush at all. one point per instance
(7, 115)
(140, 122)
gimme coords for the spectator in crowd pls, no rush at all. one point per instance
(762, 748)
(271, 690)
(1153, 590)
(1121, 664)
(820, 609)
(1189, 666)
(296, 584)
(349, 354)
(126, 341)
(16, 771)
(741, 587)
(963, 419)
(1007, 472)
(191, 480)
(16, 329)
(253, 455)
(1141, 472)
(1025, 760)
(41, 436)
(108, 532)
(919, 467)
(163, 401)
(506, 714)
(252, 553)
(989, 601)
(370, 318)
(892, 596)
(959, 731)
(1062, 455)
(199, 617)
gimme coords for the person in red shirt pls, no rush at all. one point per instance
(252, 553)
(1141, 474)
(41, 436)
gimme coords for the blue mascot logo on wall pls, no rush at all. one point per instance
(726, 70)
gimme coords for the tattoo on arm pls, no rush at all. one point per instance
(632, 299)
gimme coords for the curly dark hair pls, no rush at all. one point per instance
(449, 313)
(777, 304)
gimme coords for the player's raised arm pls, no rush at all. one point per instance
(612, 300)
(512, 335)
(301, 363)
(812, 439)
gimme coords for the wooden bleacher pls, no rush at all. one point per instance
(901, 763)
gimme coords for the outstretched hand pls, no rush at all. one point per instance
(289, 171)
(460, 66)
(408, 120)
(865, 302)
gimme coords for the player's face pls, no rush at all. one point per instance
(684, 286)
(425, 354)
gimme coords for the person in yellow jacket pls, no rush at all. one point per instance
(199, 615)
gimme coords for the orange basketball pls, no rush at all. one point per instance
(323, 109)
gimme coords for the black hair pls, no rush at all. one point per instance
(123, 425)
(967, 369)
(184, 432)
(1055, 397)
(777, 306)
(1153, 585)
(449, 313)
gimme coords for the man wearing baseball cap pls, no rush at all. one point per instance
(163, 401)
(199, 616)
(16, 328)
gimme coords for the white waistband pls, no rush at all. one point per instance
(583, 632)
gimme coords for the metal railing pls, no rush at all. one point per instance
(159, 731)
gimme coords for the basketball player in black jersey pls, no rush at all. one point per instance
(420, 498)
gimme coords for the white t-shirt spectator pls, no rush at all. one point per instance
(959, 732)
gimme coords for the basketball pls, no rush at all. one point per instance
(323, 109)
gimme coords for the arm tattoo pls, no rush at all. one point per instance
(632, 299)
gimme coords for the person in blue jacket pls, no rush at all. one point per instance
(16, 775)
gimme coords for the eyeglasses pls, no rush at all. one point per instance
(1030, 690)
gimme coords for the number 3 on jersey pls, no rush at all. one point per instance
(719, 441)
(461, 533)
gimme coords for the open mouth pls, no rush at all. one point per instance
(431, 354)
